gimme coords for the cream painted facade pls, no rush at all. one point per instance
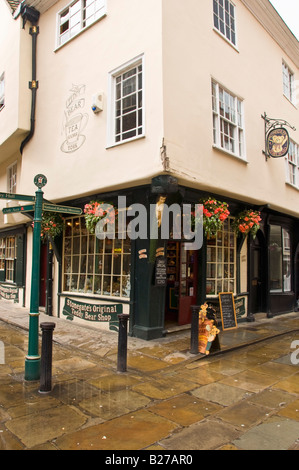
(181, 53)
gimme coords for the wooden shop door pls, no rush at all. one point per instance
(188, 284)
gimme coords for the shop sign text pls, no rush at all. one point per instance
(93, 312)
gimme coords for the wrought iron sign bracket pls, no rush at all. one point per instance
(276, 137)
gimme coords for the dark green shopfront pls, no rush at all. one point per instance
(156, 281)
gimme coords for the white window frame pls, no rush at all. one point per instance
(73, 19)
(226, 26)
(2, 91)
(288, 79)
(228, 121)
(112, 114)
(12, 178)
(222, 261)
(292, 165)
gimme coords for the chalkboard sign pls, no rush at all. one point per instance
(161, 272)
(228, 311)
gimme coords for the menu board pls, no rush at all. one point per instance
(227, 310)
(161, 272)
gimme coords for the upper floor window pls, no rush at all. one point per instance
(1, 91)
(292, 164)
(12, 178)
(288, 83)
(228, 121)
(224, 19)
(77, 16)
(127, 111)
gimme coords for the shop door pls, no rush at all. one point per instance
(43, 275)
(188, 284)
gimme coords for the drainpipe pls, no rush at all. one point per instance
(32, 15)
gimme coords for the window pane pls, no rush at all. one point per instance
(275, 258)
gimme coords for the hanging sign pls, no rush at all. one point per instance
(278, 142)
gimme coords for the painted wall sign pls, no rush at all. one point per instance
(278, 142)
(9, 292)
(93, 312)
(75, 120)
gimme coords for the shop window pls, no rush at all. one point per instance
(93, 266)
(228, 121)
(2, 101)
(7, 258)
(225, 19)
(127, 107)
(77, 16)
(292, 165)
(221, 261)
(280, 260)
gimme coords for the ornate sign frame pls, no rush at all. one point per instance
(277, 139)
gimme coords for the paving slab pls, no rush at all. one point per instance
(221, 394)
(185, 409)
(206, 435)
(276, 434)
(244, 414)
(251, 381)
(130, 432)
(38, 428)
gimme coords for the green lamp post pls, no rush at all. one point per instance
(32, 360)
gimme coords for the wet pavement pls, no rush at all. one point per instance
(245, 397)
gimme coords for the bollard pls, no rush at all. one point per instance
(46, 357)
(194, 329)
(122, 343)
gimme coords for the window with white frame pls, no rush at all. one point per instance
(8, 248)
(127, 111)
(225, 19)
(228, 121)
(12, 178)
(77, 16)
(2, 101)
(221, 261)
(292, 164)
(288, 83)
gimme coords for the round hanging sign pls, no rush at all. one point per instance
(40, 181)
(278, 142)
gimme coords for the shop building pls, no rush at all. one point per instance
(132, 101)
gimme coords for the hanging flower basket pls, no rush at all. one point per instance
(52, 225)
(214, 214)
(94, 212)
(247, 222)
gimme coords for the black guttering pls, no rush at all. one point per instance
(32, 15)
